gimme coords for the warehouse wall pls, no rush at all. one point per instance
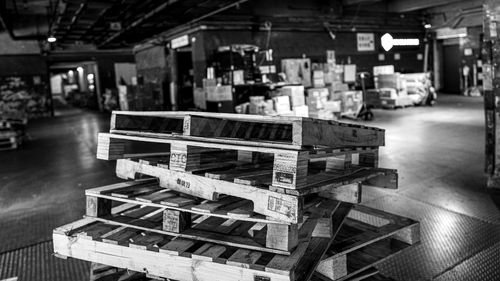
(153, 69)
(294, 44)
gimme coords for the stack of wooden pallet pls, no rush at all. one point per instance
(237, 197)
(12, 132)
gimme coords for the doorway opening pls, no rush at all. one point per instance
(74, 86)
(185, 78)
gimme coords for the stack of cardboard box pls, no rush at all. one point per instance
(392, 89)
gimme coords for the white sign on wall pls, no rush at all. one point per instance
(179, 42)
(366, 42)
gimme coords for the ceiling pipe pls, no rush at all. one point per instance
(138, 22)
(158, 9)
(237, 3)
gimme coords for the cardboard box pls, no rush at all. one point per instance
(209, 83)
(323, 114)
(333, 106)
(383, 69)
(219, 93)
(296, 94)
(338, 87)
(315, 103)
(282, 104)
(395, 81)
(352, 101)
(301, 111)
(318, 78)
(318, 92)
(316, 97)
(350, 73)
(388, 93)
(297, 71)
(257, 105)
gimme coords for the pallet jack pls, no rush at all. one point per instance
(365, 112)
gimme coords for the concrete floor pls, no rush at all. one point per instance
(437, 150)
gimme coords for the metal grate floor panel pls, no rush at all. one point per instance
(448, 239)
(483, 266)
(37, 263)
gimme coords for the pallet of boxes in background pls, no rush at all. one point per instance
(237, 197)
(12, 131)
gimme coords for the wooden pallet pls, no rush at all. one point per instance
(181, 215)
(400, 102)
(182, 259)
(274, 203)
(284, 132)
(267, 237)
(285, 169)
(367, 237)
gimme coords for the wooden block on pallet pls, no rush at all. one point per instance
(409, 235)
(368, 159)
(176, 221)
(350, 193)
(109, 148)
(98, 207)
(247, 156)
(340, 162)
(282, 236)
(184, 157)
(333, 268)
(290, 169)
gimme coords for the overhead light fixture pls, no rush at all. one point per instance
(388, 42)
(51, 39)
(427, 25)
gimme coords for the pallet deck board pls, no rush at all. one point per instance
(234, 128)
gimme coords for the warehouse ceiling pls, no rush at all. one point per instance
(122, 23)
